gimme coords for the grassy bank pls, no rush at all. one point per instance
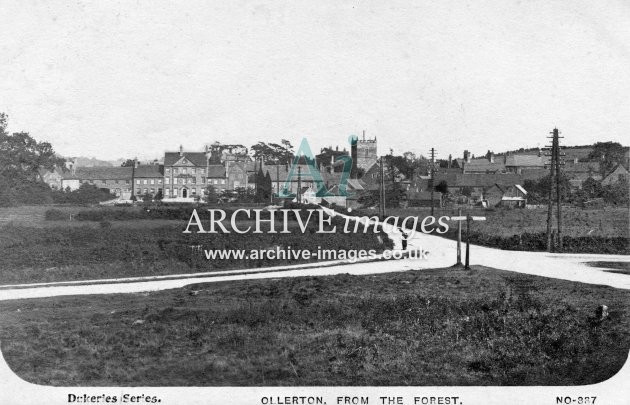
(430, 327)
(94, 251)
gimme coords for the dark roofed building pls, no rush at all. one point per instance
(185, 174)
(149, 180)
(518, 163)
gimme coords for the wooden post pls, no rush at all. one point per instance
(467, 218)
(459, 239)
(467, 266)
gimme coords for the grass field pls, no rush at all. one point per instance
(35, 250)
(430, 327)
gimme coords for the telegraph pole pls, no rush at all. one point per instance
(299, 188)
(381, 187)
(555, 177)
(133, 175)
(432, 168)
(558, 193)
(552, 168)
(277, 180)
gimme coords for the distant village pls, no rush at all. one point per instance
(223, 171)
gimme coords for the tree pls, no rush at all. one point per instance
(592, 188)
(273, 153)
(268, 185)
(401, 165)
(211, 194)
(616, 193)
(85, 194)
(609, 155)
(129, 163)
(21, 156)
(260, 180)
(442, 187)
(21, 159)
(538, 190)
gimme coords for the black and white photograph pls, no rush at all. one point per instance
(331, 203)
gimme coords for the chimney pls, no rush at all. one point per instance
(466, 156)
(575, 159)
(491, 157)
(181, 150)
(539, 152)
(450, 160)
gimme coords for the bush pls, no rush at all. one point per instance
(56, 215)
(538, 242)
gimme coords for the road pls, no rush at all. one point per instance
(571, 267)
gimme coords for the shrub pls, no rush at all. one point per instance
(56, 215)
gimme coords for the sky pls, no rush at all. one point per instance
(112, 79)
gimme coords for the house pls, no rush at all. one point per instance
(518, 163)
(185, 174)
(116, 179)
(482, 165)
(514, 196)
(422, 199)
(148, 180)
(52, 177)
(216, 177)
(617, 175)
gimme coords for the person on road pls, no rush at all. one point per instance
(404, 239)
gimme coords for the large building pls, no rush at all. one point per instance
(185, 174)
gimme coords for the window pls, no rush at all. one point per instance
(146, 191)
(193, 171)
(167, 181)
(138, 191)
(127, 181)
(145, 181)
(137, 181)
(152, 191)
(222, 181)
(184, 170)
(174, 170)
(194, 180)
(216, 181)
(152, 181)
(202, 171)
(159, 181)
(167, 170)
(203, 180)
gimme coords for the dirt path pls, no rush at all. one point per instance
(571, 267)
